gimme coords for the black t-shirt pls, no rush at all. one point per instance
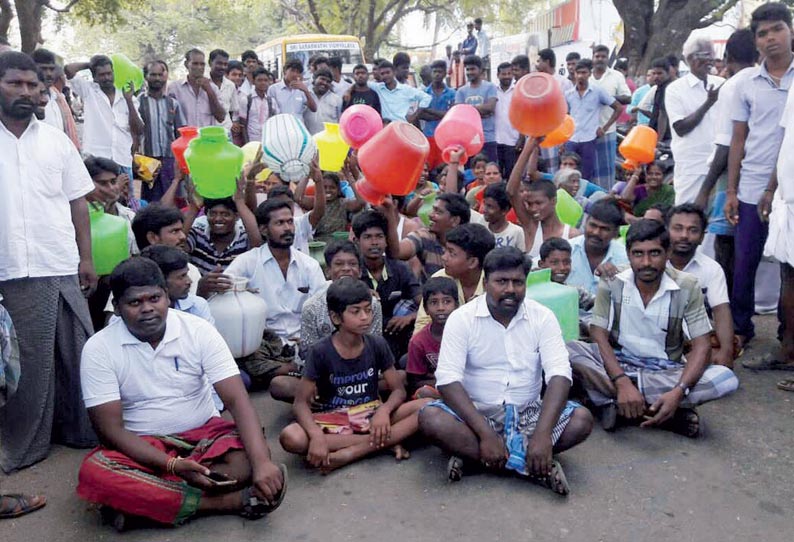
(347, 382)
(367, 97)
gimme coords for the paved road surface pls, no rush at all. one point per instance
(734, 484)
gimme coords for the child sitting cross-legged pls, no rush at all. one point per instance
(341, 374)
(440, 298)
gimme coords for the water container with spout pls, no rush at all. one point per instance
(332, 148)
(427, 206)
(126, 71)
(288, 147)
(392, 162)
(109, 245)
(317, 251)
(562, 300)
(460, 128)
(179, 146)
(561, 133)
(639, 147)
(538, 105)
(240, 318)
(568, 209)
(214, 163)
(358, 124)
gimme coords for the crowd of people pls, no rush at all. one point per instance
(417, 322)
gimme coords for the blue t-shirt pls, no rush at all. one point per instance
(478, 96)
(438, 102)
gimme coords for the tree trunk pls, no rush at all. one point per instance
(650, 34)
(6, 16)
(29, 13)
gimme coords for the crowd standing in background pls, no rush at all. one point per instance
(405, 327)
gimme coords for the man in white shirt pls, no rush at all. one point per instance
(291, 95)
(285, 278)
(495, 353)
(688, 102)
(223, 87)
(687, 226)
(46, 270)
(614, 83)
(329, 104)
(111, 120)
(340, 84)
(506, 135)
(483, 47)
(147, 382)
(57, 112)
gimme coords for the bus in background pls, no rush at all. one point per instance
(275, 53)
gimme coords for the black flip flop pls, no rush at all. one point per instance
(255, 508)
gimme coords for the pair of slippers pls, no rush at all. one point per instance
(555, 481)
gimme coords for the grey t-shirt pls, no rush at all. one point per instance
(478, 96)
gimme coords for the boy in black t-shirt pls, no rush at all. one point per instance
(360, 93)
(342, 374)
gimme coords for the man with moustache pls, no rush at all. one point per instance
(200, 103)
(635, 366)
(57, 111)
(496, 351)
(46, 270)
(285, 278)
(111, 120)
(162, 117)
(687, 225)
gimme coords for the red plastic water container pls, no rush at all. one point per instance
(461, 127)
(538, 105)
(392, 161)
(639, 147)
(358, 124)
(179, 146)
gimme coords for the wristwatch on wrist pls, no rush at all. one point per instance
(684, 388)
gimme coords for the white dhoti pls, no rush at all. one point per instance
(780, 242)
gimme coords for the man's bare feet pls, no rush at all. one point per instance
(400, 453)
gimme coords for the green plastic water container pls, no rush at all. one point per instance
(562, 300)
(568, 209)
(427, 206)
(109, 246)
(341, 235)
(623, 231)
(214, 163)
(124, 71)
(317, 251)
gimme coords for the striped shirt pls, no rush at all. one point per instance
(654, 331)
(203, 253)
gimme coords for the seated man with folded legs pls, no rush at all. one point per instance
(166, 454)
(493, 357)
(636, 368)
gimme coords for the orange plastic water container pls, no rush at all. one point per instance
(639, 147)
(538, 105)
(392, 161)
(561, 133)
(461, 127)
(179, 146)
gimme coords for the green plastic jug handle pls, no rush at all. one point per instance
(539, 277)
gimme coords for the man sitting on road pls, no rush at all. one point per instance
(147, 382)
(494, 353)
(635, 368)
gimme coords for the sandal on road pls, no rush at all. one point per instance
(786, 385)
(14, 505)
(455, 469)
(555, 481)
(767, 364)
(256, 508)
